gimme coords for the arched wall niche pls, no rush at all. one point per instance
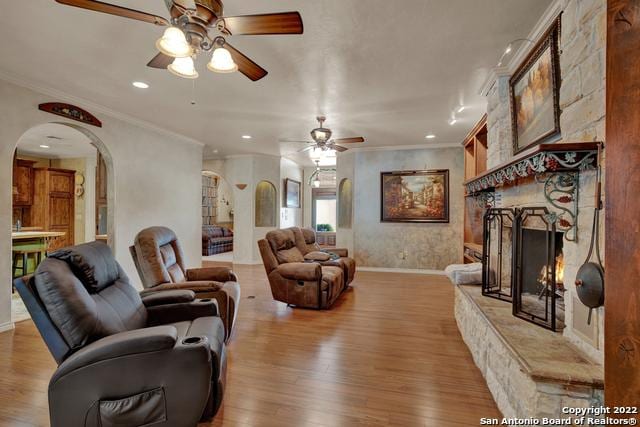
(266, 205)
(345, 203)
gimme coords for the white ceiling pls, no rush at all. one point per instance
(391, 71)
(63, 141)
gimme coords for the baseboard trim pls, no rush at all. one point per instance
(402, 270)
(8, 326)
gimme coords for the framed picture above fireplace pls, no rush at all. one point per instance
(535, 111)
(414, 196)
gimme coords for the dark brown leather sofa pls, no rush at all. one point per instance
(123, 359)
(159, 259)
(216, 240)
(294, 280)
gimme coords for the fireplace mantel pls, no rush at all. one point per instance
(543, 158)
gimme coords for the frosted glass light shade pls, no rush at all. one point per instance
(174, 43)
(183, 67)
(222, 62)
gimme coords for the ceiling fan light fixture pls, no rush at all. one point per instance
(174, 43)
(183, 67)
(321, 134)
(222, 62)
(316, 182)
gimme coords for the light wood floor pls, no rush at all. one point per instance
(388, 353)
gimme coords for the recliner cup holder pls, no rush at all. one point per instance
(192, 340)
(205, 300)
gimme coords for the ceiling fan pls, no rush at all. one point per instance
(322, 139)
(188, 34)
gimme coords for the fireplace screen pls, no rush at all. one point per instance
(538, 268)
(522, 263)
(497, 250)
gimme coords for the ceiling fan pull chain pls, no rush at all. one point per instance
(193, 92)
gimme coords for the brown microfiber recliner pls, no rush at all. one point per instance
(159, 260)
(293, 279)
(306, 242)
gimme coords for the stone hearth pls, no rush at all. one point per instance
(530, 371)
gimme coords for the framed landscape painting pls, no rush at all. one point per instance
(415, 196)
(292, 193)
(534, 94)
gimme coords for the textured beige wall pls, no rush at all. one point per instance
(156, 180)
(424, 245)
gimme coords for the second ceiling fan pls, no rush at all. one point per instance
(188, 34)
(322, 139)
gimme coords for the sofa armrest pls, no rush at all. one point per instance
(306, 271)
(152, 299)
(118, 345)
(180, 312)
(218, 274)
(341, 252)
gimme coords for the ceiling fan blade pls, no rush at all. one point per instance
(161, 61)
(311, 147)
(348, 140)
(338, 148)
(245, 65)
(112, 9)
(269, 23)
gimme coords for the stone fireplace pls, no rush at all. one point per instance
(542, 261)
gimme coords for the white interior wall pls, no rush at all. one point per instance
(157, 180)
(290, 217)
(345, 168)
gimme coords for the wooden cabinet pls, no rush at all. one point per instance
(22, 182)
(53, 203)
(475, 163)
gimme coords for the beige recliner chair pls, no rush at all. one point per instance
(294, 280)
(159, 259)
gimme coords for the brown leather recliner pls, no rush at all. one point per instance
(296, 281)
(306, 242)
(159, 260)
(123, 359)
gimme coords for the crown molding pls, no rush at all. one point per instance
(547, 18)
(92, 106)
(407, 147)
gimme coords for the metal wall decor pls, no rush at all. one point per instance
(70, 112)
(538, 163)
(561, 191)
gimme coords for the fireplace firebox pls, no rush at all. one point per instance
(523, 263)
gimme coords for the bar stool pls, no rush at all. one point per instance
(23, 254)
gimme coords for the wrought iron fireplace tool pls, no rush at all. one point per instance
(590, 277)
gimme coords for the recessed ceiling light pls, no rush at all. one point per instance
(246, 136)
(452, 121)
(430, 136)
(461, 108)
(140, 85)
(215, 151)
(44, 146)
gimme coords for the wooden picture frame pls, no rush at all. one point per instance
(415, 196)
(535, 93)
(292, 193)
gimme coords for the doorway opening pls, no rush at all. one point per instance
(61, 196)
(217, 218)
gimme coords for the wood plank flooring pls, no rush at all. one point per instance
(387, 354)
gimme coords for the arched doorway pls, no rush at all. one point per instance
(217, 218)
(62, 195)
